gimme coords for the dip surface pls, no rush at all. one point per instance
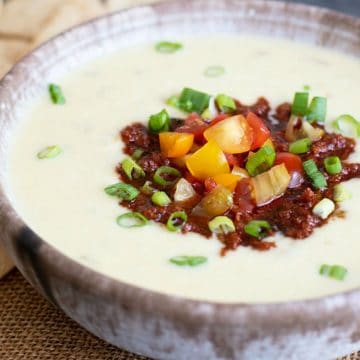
(63, 200)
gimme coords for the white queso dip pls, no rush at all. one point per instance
(63, 200)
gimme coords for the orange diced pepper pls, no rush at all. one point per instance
(233, 135)
(208, 161)
(175, 145)
(227, 180)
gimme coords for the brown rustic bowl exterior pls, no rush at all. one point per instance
(146, 322)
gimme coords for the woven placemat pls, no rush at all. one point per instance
(32, 328)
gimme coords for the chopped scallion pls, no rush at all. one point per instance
(49, 152)
(261, 160)
(159, 122)
(56, 94)
(221, 225)
(300, 103)
(147, 188)
(176, 221)
(173, 101)
(185, 260)
(214, 71)
(132, 219)
(123, 191)
(136, 155)
(341, 193)
(317, 110)
(168, 47)
(312, 171)
(193, 101)
(225, 103)
(337, 272)
(257, 228)
(347, 125)
(301, 146)
(324, 208)
(333, 165)
(160, 198)
(132, 169)
(166, 175)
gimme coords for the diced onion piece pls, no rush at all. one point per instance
(183, 191)
(217, 202)
(221, 225)
(227, 180)
(341, 193)
(347, 125)
(311, 132)
(270, 184)
(324, 208)
(233, 135)
(208, 161)
(242, 173)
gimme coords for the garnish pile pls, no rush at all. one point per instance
(240, 172)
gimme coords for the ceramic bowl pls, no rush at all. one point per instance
(145, 322)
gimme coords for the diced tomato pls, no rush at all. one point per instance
(194, 124)
(293, 165)
(260, 130)
(233, 160)
(210, 185)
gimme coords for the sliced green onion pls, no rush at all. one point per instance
(257, 228)
(136, 155)
(214, 71)
(317, 110)
(301, 146)
(193, 101)
(168, 47)
(324, 208)
(300, 103)
(347, 125)
(333, 165)
(341, 193)
(173, 101)
(159, 122)
(123, 191)
(49, 152)
(261, 160)
(147, 188)
(166, 175)
(160, 198)
(307, 87)
(221, 225)
(337, 272)
(132, 169)
(132, 219)
(56, 94)
(225, 103)
(176, 221)
(312, 171)
(185, 260)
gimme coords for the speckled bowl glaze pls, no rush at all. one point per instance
(145, 322)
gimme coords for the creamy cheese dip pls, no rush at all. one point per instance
(63, 200)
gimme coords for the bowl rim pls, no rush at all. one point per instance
(88, 278)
